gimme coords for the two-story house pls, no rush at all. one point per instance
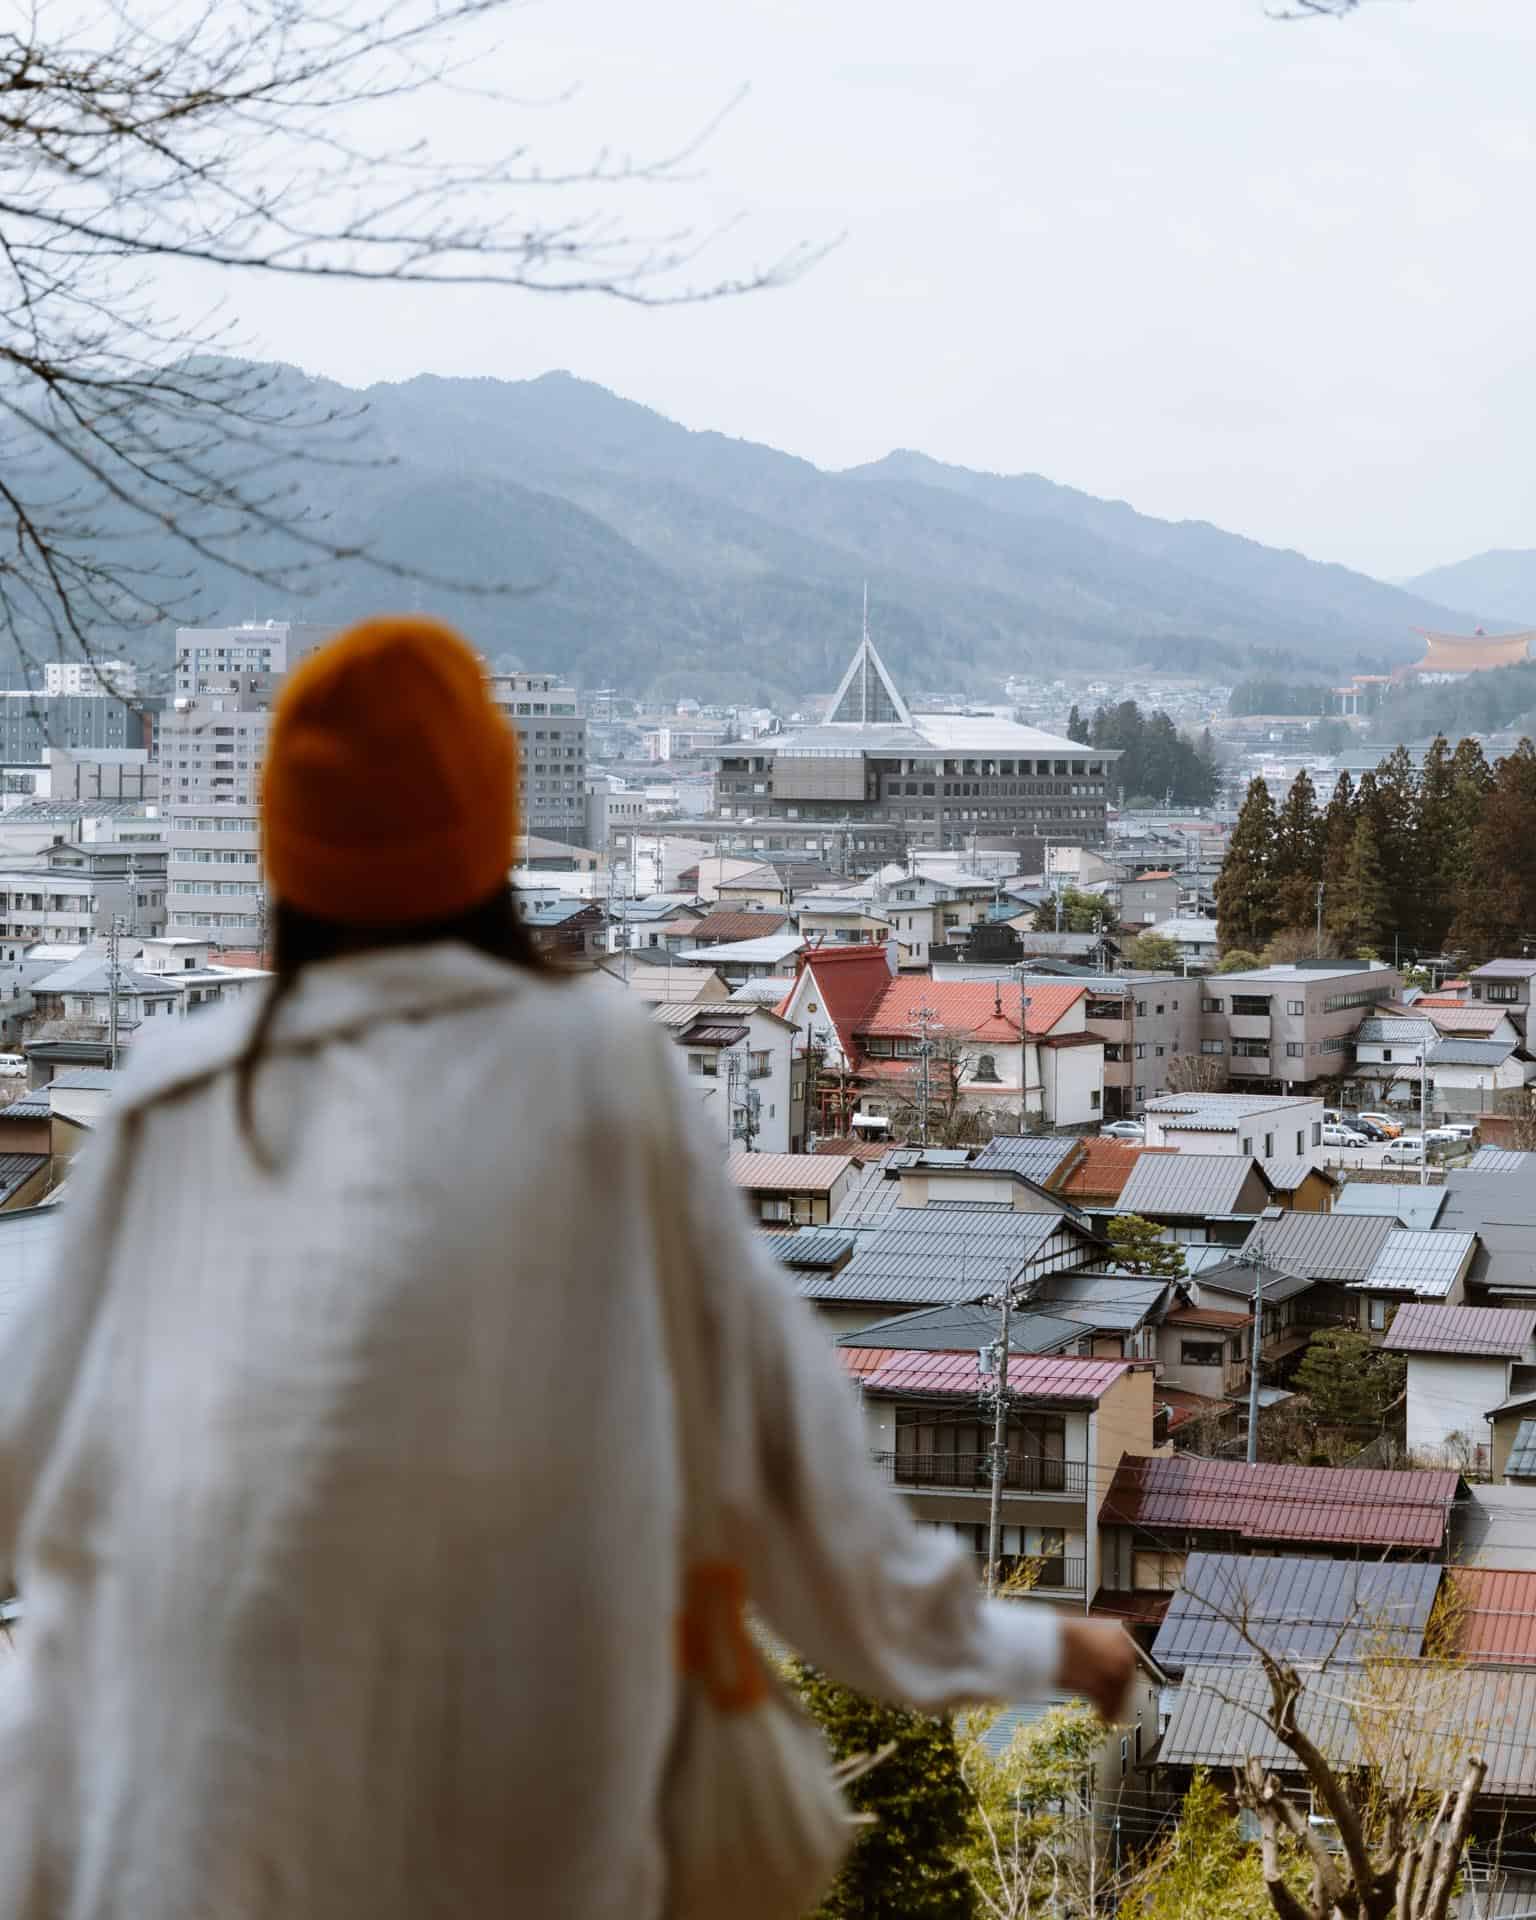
(1147, 1021)
(931, 917)
(738, 1059)
(794, 1189)
(1506, 984)
(1461, 1362)
(1150, 897)
(1263, 1126)
(1363, 1267)
(1069, 1422)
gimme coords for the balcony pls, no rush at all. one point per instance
(1249, 1026)
(972, 1473)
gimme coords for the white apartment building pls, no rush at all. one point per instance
(213, 737)
(552, 740)
(114, 677)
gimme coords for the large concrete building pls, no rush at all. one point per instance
(552, 738)
(891, 780)
(213, 736)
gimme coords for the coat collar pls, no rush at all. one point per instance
(331, 999)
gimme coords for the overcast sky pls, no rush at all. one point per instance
(1279, 276)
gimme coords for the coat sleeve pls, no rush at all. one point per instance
(834, 1561)
(46, 1339)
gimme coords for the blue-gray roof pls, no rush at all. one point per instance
(1322, 1246)
(1521, 1464)
(930, 1256)
(1456, 1052)
(1426, 1264)
(810, 1248)
(1036, 1156)
(1299, 1608)
(1391, 1030)
(953, 1329)
(1205, 1185)
(1501, 1160)
(1414, 1206)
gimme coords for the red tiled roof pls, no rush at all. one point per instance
(852, 1148)
(1099, 1168)
(1205, 1317)
(1439, 1000)
(1496, 1615)
(981, 1010)
(849, 980)
(737, 923)
(1184, 1406)
(785, 1172)
(1335, 1505)
(1033, 1375)
(865, 1360)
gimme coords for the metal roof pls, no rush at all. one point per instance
(1389, 1030)
(1495, 1615)
(1347, 1506)
(1496, 1527)
(1504, 970)
(1501, 1160)
(1036, 1156)
(1521, 1464)
(1031, 1376)
(1202, 1184)
(1228, 1107)
(967, 1324)
(771, 950)
(1424, 1263)
(787, 1172)
(1237, 1276)
(1303, 1609)
(1414, 1206)
(1323, 1246)
(1423, 1327)
(931, 1258)
(1218, 1721)
(872, 1202)
(1285, 1176)
(811, 1248)
(28, 1237)
(16, 1169)
(1470, 1053)
(1502, 1213)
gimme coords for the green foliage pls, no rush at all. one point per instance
(1077, 911)
(1153, 953)
(1077, 727)
(1360, 911)
(908, 1862)
(1029, 1817)
(1245, 887)
(1203, 1869)
(1349, 1382)
(1298, 856)
(1280, 696)
(1237, 960)
(1157, 761)
(1496, 911)
(1137, 1245)
(1482, 703)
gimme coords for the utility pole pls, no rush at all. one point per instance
(999, 1444)
(1023, 1053)
(1255, 1342)
(1319, 919)
(1423, 1114)
(113, 979)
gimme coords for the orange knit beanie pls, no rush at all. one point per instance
(390, 789)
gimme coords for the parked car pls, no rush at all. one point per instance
(1459, 1129)
(1374, 1133)
(1448, 1136)
(13, 1066)
(1404, 1153)
(1342, 1136)
(1390, 1127)
(1124, 1130)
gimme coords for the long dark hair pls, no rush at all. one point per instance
(493, 927)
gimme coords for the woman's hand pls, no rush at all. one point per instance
(1098, 1660)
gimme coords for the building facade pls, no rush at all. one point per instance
(1284, 1027)
(552, 741)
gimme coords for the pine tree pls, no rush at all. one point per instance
(1138, 1246)
(1076, 728)
(1349, 1382)
(1338, 830)
(1496, 907)
(1245, 888)
(1396, 820)
(1361, 904)
(1441, 861)
(908, 1861)
(1298, 854)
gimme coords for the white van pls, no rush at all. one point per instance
(1403, 1153)
(12, 1066)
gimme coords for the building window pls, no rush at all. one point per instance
(1213, 1046)
(1378, 1311)
(1095, 1098)
(1201, 1353)
(1269, 1146)
(1317, 1133)
(1301, 1141)
(1296, 1007)
(1503, 993)
(1210, 1006)
(986, 1067)
(1295, 1050)
(705, 1063)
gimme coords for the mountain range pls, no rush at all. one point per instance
(659, 560)
(1502, 582)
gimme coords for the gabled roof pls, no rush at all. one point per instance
(1286, 1175)
(967, 1324)
(1501, 1211)
(848, 979)
(981, 1011)
(1303, 1609)
(1413, 1206)
(1322, 1246)
(738, 923)
(1424, 1327)
(1457, 1052)
(1099, 1171)
(1207, 1185)
(1495, 1615)
(810, 1249)
(1505, 970)
(1030, 1376)
(1235, 1277)
(1345, 1506)
(1037, 1156)
(1466, 1019)
(927, 1257)
(1501, 1160)
(1379, 1030)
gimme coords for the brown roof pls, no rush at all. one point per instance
(1345, 1506)
(1496, 1615)
(1205, 1317)
(1099, 1168)
(1425, 1326)
(786, 1172)
(734, 923)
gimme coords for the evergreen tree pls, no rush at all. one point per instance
(908, 1861)
(1298, 854)
(1138, 1246)
(1153, 953)
(1361, 903)
(1076, 727)
(1349, 1382)
(1441, 861)
(1396, 819)
(1245, 888)
(1205, 1869)
(1338, 830)
(1496, 906)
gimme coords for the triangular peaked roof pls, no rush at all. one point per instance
(867, 695)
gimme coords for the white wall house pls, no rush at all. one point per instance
(738, 1062)
(1265, 1126)
(1462, 1363)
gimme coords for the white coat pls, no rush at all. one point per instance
(342, 1500)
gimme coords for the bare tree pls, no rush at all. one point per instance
(257, 137)
(1196, 1073)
